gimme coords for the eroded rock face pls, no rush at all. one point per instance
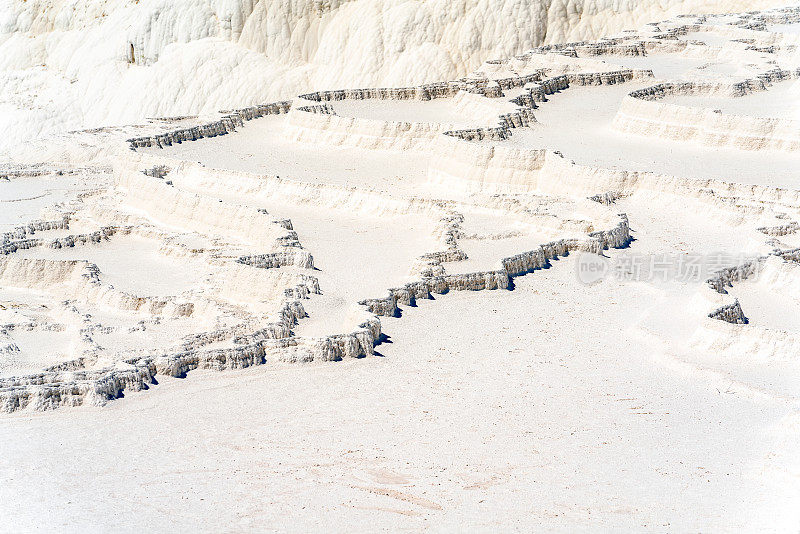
(643, 114)
(730, 313)
(157, 58)
(159, 205)
(390, 203)
(727, 277)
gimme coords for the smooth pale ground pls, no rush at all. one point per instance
(784, 28)
(769, 304)
(130, 263)
(361, 254)
(153, 335)
(22, 199)
(355, 257)
(553, 406)
(710, 38)
(788, 241)
(27, 351)
(677, 307)
(781, 101)
(261, 146)
(485, 254)
(590, 139)
(438, 110)
(669, 66)
(771, 309)
(459, 426)
(60, 327)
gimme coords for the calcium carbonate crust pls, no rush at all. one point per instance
(181, 194)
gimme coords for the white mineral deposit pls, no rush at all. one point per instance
(399, 265)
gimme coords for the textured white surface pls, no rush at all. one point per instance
(86, 63)
(519, 397)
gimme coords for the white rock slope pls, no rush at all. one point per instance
(75, 64)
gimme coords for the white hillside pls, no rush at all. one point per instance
(77, 64)
(559, 293)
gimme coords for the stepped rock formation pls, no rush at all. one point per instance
(490, 245)
(246, 280)
(100, 63)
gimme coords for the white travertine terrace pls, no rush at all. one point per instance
(252, 292)
(72, 65)
(306, 229)
(642, 114)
